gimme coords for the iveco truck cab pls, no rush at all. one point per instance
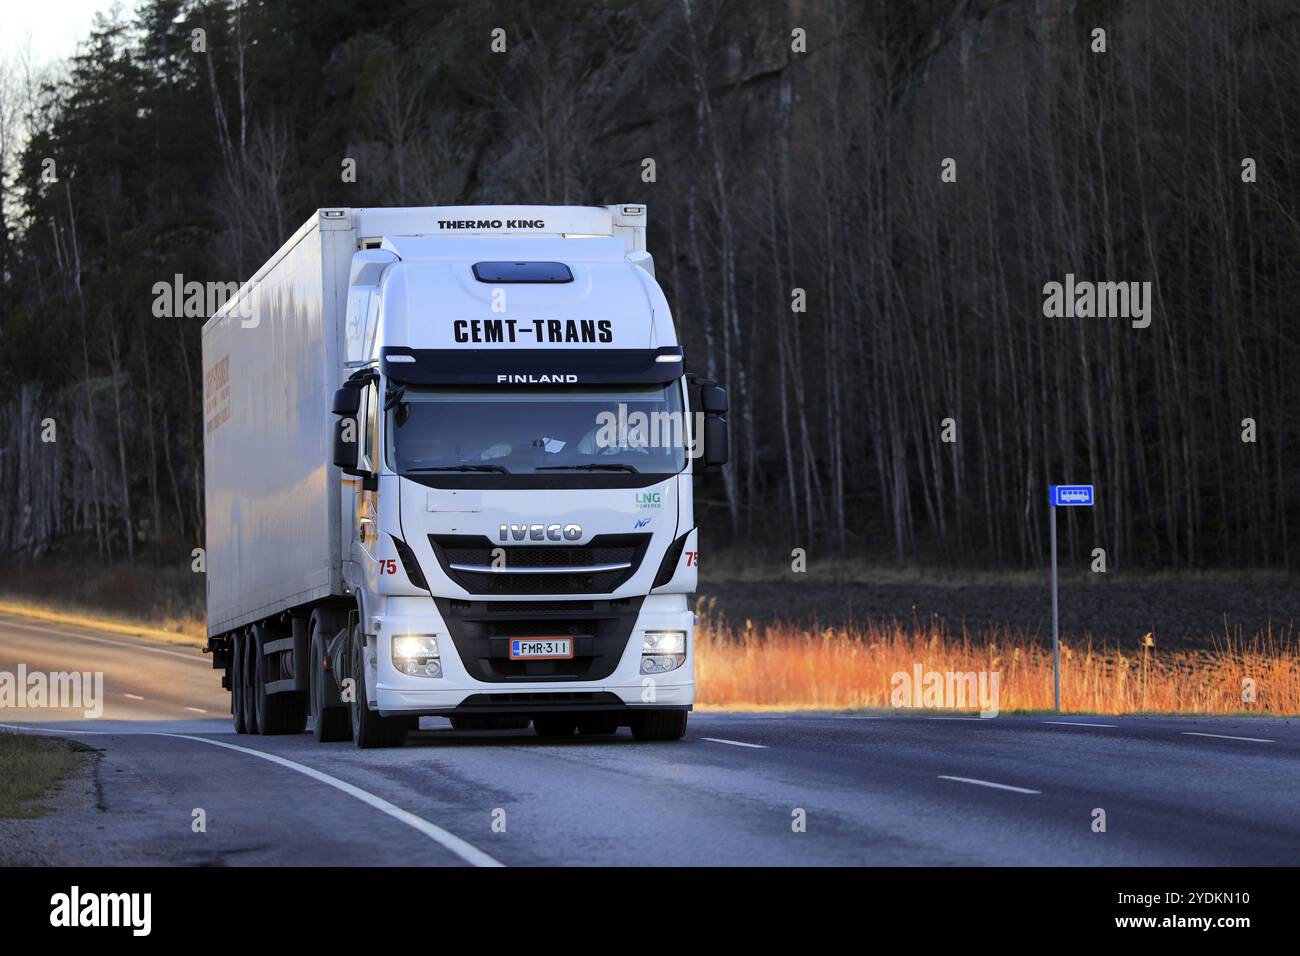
(450, 455)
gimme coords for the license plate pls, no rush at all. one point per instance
(541, 648)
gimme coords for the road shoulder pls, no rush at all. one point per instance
(66, 832)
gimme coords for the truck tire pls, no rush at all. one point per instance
(369, 728)
(554, 725)
(598, 724)
(247, 682)
(332, 723)
(235, 672)
(659, 724)
(282, 713)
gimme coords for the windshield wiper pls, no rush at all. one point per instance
(601, 466)
(500, 469)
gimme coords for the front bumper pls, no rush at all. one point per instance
(457, 692)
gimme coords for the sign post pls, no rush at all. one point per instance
(1063, 496)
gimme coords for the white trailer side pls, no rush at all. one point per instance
(270, 367)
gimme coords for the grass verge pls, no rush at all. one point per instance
(34, 766)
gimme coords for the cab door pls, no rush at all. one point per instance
(366, 526)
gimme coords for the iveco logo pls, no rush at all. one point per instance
(541, 532)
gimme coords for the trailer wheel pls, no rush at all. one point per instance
(554, 725)
(369, 728)
(659, 724)
(247, 685)
(598, 724)
(282, 713)
(332, 723)
(235, 671)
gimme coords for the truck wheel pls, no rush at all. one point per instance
(659, 724)
(554, 725)
(235, 671)
(369, 729)
(247, 682)
(282, 713)
(332, 723)
(591, 725)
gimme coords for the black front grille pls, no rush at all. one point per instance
(522, 564)
(527, 607)
(481, 631)
(546, 699)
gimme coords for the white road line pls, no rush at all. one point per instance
(195, 658)
(1076, 723)
(133, 696)
(856, 717)
(466, 851)
(958, 718)
(1253, 740)
(734, 743)
(988, 783)
(197, 710)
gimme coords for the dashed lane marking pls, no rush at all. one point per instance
(988, 783)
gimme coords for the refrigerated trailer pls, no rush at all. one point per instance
(449, 457)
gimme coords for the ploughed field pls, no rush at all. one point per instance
(1187, 612)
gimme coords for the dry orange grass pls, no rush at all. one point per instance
(778, 666)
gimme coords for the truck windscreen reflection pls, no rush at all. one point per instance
(616, 428)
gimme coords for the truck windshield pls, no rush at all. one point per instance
(638, 429)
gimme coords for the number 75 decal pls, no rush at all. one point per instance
(387, 566)
(692, 559)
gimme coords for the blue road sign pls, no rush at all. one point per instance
(1072, 496)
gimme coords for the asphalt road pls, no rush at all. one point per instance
(893, 790)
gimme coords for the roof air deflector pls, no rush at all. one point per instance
(508, 272)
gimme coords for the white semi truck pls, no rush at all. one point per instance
(449, 456)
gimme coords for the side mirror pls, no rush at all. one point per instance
(347, 400)
(347, 449)
(347, 430)
(713, 405)
(715, 440)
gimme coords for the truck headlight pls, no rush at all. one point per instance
(662, 651)
(416, 655)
